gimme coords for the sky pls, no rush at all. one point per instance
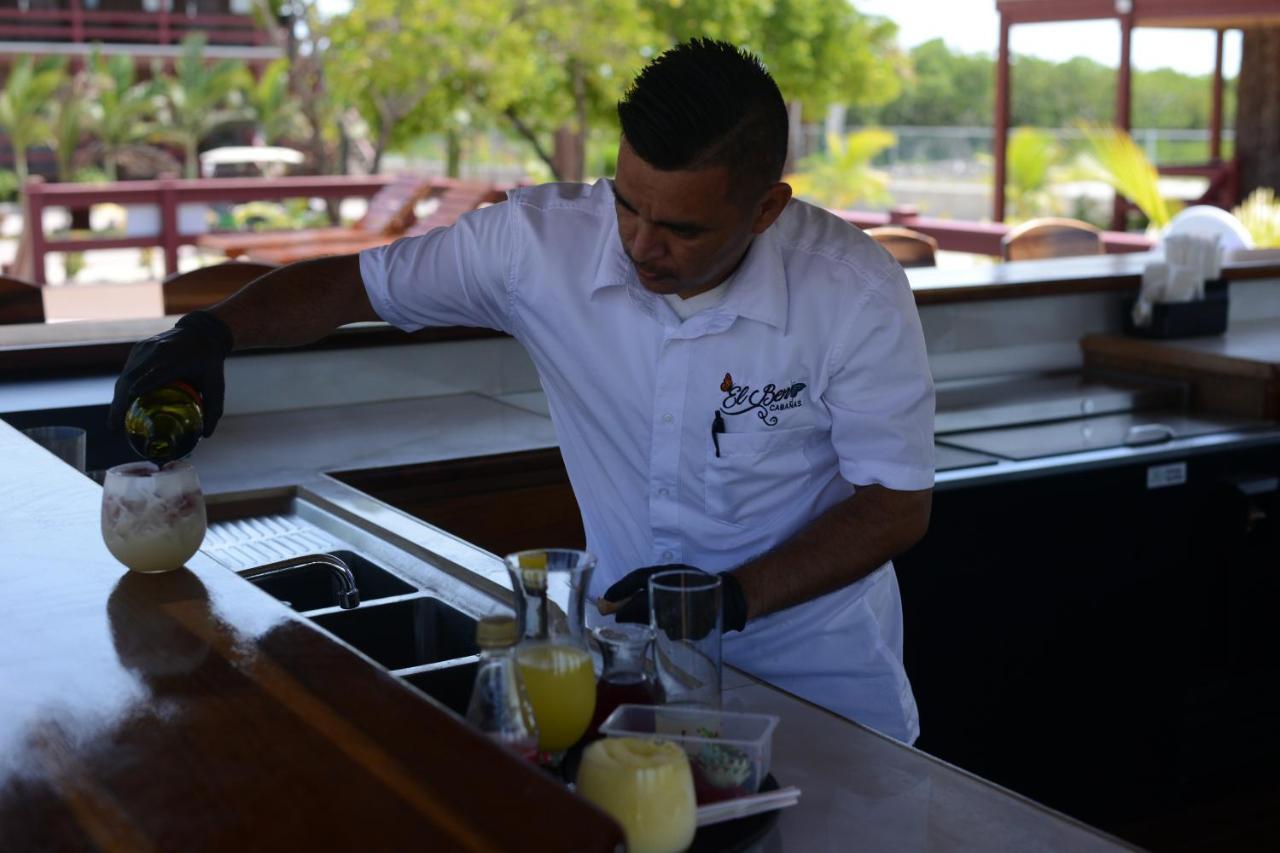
(972, 26)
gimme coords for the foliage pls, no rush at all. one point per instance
(841, 176)
(1032, 161)
(73, 263)
(121, 115)
(274, 109)
(270, 216)
(9, 185)
(24, 104)
(946, 88)
(1260, 215)
(942, 88)
(197, 99)
(68, 121)
(1116, 159)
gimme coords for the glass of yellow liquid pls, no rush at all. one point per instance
(645, 785)
(550, 587)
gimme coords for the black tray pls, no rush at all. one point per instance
(733, 836)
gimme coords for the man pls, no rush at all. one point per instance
(738, 381)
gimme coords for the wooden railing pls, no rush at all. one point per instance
(78, 25)
(166, 195)
(979, 238)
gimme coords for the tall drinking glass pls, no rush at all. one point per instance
(65, 442)
(550, 586)
(684, 610)
(153, 518)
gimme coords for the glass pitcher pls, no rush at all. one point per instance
(550, 586)
(626, 677)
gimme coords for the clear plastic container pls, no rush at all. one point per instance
(729, 751)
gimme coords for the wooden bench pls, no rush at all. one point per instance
(390, 212)
(455, 199)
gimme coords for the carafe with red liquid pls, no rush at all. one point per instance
(625, 678)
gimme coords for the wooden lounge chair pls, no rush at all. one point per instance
(20, 301)
(390, 212)
(909, 248)
(1051, 238)
(200, 288)
(456, 198)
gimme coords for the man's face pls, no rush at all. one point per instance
(683, 230)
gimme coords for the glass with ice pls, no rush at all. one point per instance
(152, 518)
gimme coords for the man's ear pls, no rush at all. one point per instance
(771, 206)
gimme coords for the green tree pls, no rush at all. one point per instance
(122, 108)
(940, 89)
(407, 65)
(197, 99)
(24, 106)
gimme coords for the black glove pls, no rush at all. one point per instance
(633, 593)
(193, 351)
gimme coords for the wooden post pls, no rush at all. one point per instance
(1000, 140)
(33, 230)
(1124, 94)
(169, 223)
(1215, 116)
(77, 22)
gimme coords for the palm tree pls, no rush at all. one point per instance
(841, 176)
(120, 116)
(24, 106)
(1117, 160)
(68, 118)
(196, 100)
(1032, 158)
(275, 110)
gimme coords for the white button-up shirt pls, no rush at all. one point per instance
(814, 360)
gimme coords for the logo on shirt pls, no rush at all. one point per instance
(765, 402)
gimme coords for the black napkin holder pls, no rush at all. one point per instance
(1195, 319)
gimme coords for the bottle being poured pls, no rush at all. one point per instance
(165, 424)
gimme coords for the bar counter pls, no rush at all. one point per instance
(189, 711)
(192, 711)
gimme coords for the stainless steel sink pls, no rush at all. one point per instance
(313, 588)
(449, 684)
(405, 633)
(412, 618)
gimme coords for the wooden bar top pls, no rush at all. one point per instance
(1065, 276)
(190, 711)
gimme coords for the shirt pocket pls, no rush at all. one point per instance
(757, 475)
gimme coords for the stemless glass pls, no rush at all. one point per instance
(153, 518)
(550, 586)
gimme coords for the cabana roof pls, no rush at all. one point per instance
(1192, 14)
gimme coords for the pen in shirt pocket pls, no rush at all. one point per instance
(717, 427)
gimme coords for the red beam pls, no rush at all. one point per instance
(1000, 139)
(1215, 116)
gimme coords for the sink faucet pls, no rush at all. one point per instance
(348, 595)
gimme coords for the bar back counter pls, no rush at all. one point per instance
(1088, 620)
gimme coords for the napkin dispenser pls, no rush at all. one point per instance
(1183, 295)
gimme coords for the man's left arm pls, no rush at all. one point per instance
(847, 542)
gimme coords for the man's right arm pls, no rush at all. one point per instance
(289, 306)
(296, 304)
